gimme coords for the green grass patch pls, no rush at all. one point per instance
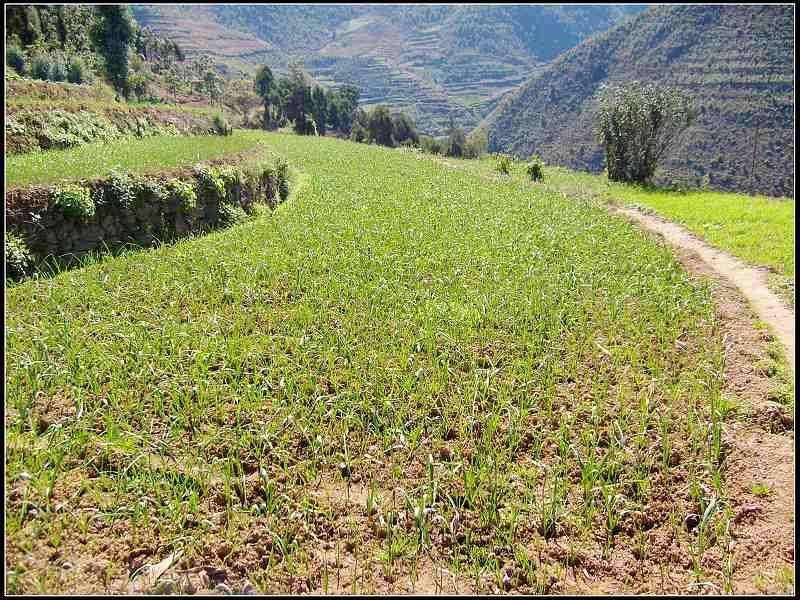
(757, 229)
(133, 155)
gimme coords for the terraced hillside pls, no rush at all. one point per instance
(433, 61)
(736, 62)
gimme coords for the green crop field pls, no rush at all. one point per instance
(406, 375)
(134, 155)
(757, 229)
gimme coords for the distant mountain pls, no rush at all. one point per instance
(737, 62)
(433, 61)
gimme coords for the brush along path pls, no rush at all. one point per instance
(522, 392)
(751, 281)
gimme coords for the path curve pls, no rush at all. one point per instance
(751, 281)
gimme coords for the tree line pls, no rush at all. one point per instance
(312, 110)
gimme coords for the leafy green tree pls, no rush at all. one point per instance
(404, 130)
(15, 58)
(113, 36)
(77, 71)
(456, 141)
(212, 85)
(264, 86)
(41, 66)
(380, 126)
(637, 123)
(477, 144)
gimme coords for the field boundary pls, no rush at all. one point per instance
(751, 281)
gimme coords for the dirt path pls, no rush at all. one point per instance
(749, 280)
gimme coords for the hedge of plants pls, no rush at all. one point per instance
(63, 223)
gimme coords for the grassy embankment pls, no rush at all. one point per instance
(135, 156)
(490, 381)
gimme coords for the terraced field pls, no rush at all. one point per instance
(418, 59)
(409, 377)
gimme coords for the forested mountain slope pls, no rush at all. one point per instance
(735, 61)
(433, 62)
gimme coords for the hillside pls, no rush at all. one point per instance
(736, 61)
(431, 61)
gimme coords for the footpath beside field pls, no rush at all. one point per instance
(751, 281)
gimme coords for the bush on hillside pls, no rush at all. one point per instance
(477, 144)
(182, 193)
(58, 68)
(19, 261)
(77, 71)
(456, 142)
(221, 125)
(637, 123)
(41, 66)
(535, 168)
(430, 144)
(503, 164)
(358, 133)
(282, 171)
(15, 58)
(75, 201)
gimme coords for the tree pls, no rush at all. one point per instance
(114, 35)
(477, 144)
(380, 126)
(212, 85)
(405, 130)
(637, 123)
(342, 106)
(456, 141)
(264, 87)
(319, 108)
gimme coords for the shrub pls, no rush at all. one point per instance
(456, 142)
(535, 168)
(77, 71)
(120, 190)
(15, 58)
(358, 133)
(637, 123)
(503, 164)
(230, 214)
(75, 201)
(233, 179)
(477, 144)
(282, 172)
(58, 70)
(149, 191)
(221, 125)
(182, 193)
(41, 65)
(209, 184)
(19, 261)
(430, 144)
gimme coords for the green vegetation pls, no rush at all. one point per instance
(74, 201)
(430, 59)
(19, 261)
(637, 124)
(140, 155)
(535, 168)
(742, 138)
(757, 229)
(497, 365)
